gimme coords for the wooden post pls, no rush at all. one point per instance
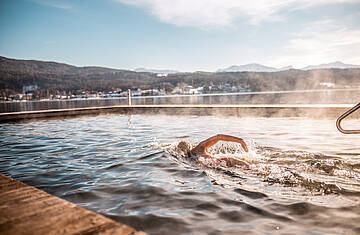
(129, 96)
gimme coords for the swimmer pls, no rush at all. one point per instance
(201, 149)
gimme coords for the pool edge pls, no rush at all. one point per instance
(308, 111)
(25, 209)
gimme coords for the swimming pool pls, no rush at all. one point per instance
(303, 178)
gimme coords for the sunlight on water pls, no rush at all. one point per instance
(303, 175)
(314, 174)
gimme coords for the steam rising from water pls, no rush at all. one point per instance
(115, 165)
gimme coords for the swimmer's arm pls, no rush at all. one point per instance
(204, 145)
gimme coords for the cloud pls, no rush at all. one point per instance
(214, 13)
(54, 4)
(322, 41)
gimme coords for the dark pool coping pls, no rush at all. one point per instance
(327, 111)
(28, 210)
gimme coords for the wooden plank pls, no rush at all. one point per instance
(27, 210)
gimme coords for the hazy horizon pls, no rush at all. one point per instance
(185, 35)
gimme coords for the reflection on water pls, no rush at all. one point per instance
(303, 176)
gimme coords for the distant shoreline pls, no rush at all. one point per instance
(188, 95)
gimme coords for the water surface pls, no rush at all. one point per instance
(330, 96)
(303, 175)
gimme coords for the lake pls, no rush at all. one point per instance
(333, 96)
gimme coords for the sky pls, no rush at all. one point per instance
(184, 35)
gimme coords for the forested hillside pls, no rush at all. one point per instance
(52, 76)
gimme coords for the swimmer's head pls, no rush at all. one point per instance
(184, 147)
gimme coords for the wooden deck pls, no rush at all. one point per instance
(27, 210)
(311, 111)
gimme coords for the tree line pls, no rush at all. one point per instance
(52, 77)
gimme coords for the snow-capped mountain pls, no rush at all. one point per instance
(164, 71)
(253, 68)
(335, 65)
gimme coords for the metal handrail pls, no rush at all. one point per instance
(347, 113)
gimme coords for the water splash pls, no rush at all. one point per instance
(298, 171)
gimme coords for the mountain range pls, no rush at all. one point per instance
(53, 77)
(261, 68)
(164, 71)
(334, 65)
(255, 67)
(252, 68)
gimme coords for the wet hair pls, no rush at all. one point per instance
(184, 147)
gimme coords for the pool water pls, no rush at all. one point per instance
(303, 175)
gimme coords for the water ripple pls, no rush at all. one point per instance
(298, 181)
